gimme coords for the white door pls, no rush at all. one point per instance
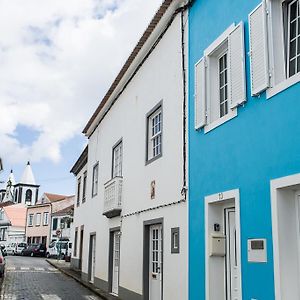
(232, 270)
(155, 266)
(93, 258)
(116, 263)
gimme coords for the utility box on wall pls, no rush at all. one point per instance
(257, 250)
(217, 245)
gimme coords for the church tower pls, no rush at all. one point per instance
(26, 191)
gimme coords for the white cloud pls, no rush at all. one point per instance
(57, 60)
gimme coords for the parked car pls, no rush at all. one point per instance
(11, 249)
(60, 248)
(19, 248)
(2, 262)
(34, 250)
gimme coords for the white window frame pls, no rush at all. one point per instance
(78, 191)
(46, 218)
(84, 181)
(278, 50)
(38, 219)
(150, 148)
(95, 179)
(215, 121)
(117, 160)
(30, 219)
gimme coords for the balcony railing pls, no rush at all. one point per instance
(113, 197)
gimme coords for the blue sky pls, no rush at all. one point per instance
(57, 60)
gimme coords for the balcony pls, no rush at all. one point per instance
(113, 197)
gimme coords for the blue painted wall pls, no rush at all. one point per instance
(260, 144)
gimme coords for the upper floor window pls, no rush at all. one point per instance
(220, 84)
(78, 190)
(30, 220)
(95, 180)
(54, 223)
(28, 196)
(38, 219)
(154, 133)
(84, 186)
(46, 218)
(117, 160)
(274, 46)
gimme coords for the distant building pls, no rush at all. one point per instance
(39, 223)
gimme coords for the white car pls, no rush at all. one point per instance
(11, 249)
(59, 248)
(19, 248)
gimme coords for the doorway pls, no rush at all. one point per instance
(80, 248)
(223, 254)
(92, 258)
(116, 263)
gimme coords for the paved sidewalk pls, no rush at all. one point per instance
(65, 268)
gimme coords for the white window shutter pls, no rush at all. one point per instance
(259, 61)
(200, 94)
(236, 51)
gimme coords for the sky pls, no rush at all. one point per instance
(57, 60)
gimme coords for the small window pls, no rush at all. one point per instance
(117, 160)
(28, 196)
(84, 186)
(46, 219)
(175, 240)
(78, 190)
(30, 220)
(95, 180)
(54, 224)
(154, 134)
(38, 219)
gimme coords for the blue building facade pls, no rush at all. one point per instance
(244, 149)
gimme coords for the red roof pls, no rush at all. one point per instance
(16, 214)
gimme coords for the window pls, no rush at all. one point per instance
(16, 195)
(1, 215)
(75, 242)
(275, 46)
(46, 218)
(95, 180)
(54, 224)
(30, 220)
(117, 160)
(175, 240)
(78, 190)
(220, 84)
(38, 219)
(3, 234)
(28, 196)
(84, 186)
(154, 134)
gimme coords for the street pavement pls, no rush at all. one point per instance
(32, 278)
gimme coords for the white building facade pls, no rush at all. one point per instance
(131, 229)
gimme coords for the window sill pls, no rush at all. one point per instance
(232, 114)
(149, 161)
(282, 86)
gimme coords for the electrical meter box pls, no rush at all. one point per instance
(217, 245)
(257, 250)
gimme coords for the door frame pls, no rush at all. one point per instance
(91, 246)
(111, 257)
(222, 198)
(146, 255)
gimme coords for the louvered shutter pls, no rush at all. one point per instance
(200, 94)
(259, 49)
(236, 51)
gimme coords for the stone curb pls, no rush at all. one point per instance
(98, 292)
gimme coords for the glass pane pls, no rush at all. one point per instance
(292, 49)
(298, 64)
(298, 46)
(225, 61)
(293, 11)
(225, 94)
(226, 107)
(222, 110)
(222, 95)
(222, 79)
(293, 30)
(292, 67)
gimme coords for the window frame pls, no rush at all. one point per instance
(38, 221)
(78, 191)
(46, 213)
(30, 220)
(175, 232)
(118, 144)
(158, 108)
(84, 186)
(95, 183)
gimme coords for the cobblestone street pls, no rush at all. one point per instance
(34, 279)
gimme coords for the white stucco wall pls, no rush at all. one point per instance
(159, 79)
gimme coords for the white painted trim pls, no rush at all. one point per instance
(217, 198)
(283, 85)
(275, 185)
(232, 113)
(216, 43)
